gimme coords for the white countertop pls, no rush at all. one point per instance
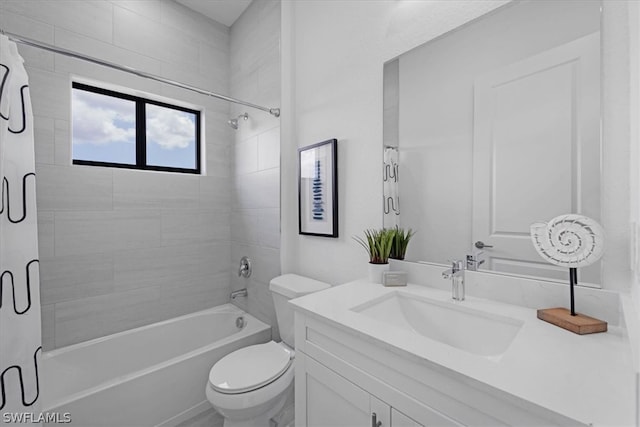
(589, 378)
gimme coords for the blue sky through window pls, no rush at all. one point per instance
(104, 128)
(171, 137)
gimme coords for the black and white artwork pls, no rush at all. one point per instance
(317, 189)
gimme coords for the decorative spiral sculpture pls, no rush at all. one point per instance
(569, 240)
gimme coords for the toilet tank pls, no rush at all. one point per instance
(284, 288)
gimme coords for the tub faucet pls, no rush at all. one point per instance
(239, 293)
(455, 273)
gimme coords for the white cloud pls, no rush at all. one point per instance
(99, 119)
(169, 128)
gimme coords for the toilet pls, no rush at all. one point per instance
(251, 385)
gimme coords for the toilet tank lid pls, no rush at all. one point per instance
(294, 286)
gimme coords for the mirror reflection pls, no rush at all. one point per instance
(492, 127)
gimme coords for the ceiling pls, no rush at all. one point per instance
(223, 11)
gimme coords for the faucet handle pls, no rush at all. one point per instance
(474, 259)
(456, 264)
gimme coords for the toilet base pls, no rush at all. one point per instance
(264, 419)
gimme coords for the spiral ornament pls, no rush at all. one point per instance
(569, 240)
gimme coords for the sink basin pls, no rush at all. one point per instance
(474, 331)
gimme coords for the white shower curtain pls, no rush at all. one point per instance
(20, 340)
(390, 188)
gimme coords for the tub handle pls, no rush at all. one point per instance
(245, 267)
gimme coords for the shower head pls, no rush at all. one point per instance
(234, 122)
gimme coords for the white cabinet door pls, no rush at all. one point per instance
(330, 400)
(536, 152)
(398, 419)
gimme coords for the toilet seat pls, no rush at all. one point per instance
(250, 368)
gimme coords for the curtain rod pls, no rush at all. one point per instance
(30, 42)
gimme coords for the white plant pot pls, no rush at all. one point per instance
(375, 272)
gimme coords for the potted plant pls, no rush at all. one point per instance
(400, 242)
(378, 245)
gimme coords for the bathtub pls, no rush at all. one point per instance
(154, 375)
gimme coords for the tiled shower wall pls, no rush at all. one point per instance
(122, 248)
(255, 217)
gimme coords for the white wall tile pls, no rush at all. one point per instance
(269, 149)
(146, 189)
(196, 294)
(108, 52)
(212, 59)
(180, 227)
(244, 226)
(74, 277)
(65, 188)
(260, 305)
(187, 73)
(156, 266)
(88, 318)
(214, 226)
(258, 190)
(214, 258)
(181, 18)
(269, 81)
(48, 322)
(218, 158)
(24, 26)
(62, 143)
(90, 18)
(215, 193)
(78, 233)
(269, 228)
(50, 93)
(147, 8)
(246, 154)
(147, 37)
(45, 234)
(136, 229)
(43, 135)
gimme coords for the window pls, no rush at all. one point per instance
(120, 130)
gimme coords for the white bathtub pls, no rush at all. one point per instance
(148, 376)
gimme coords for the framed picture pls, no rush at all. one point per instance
(318, 189)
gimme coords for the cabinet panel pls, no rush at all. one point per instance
(382, 413)
(333, 401)
(398, 419)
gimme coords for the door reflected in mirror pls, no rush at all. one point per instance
(492, 127)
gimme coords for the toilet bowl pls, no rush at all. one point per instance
(251, 385)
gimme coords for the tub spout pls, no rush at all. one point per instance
(239, 293)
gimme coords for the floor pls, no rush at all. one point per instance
(211, 418)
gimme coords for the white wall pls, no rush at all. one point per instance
(333, 54)
(255, 216)
(122, 248)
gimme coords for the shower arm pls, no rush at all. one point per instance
(41, 45)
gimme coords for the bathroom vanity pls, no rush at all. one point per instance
(368, 355)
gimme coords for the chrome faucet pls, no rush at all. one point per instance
(239, 293)
(455, 273)
(474, 259)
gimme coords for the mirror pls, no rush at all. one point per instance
(492, 127)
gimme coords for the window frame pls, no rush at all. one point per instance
(141, 132)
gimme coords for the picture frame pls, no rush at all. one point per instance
(318, 189)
